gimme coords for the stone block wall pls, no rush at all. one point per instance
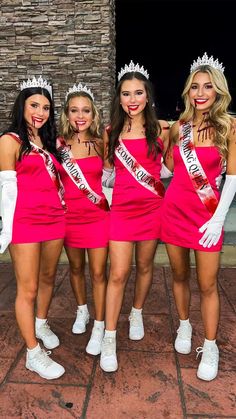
(67, 41)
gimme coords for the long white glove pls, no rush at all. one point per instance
(108, 177)
(213, 227)
(8, 185)
(165, 172)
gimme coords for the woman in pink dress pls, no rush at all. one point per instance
(202, 141)
(136, 141)
(87, 217)
(33, 217)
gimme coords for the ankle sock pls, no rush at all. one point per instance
(184, 322)
(110, 333)
(39, 322)
(136, 310)
(209, 343)
(33, 351)
(99, 324)
(84, 307)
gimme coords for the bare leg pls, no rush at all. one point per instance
(26, 260)
(144, 254)
(180, 265)
(77, 273)
(50, 253)
(97, 265)
(207, 271)
(120, 258)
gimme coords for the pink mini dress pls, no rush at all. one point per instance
(87, 225)
(183, 213)
(39, 215)
(135, 210)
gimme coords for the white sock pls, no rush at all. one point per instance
(110, 333)
(84, 307)
(184, 322)
(33, 351)
(136, 310)
(209, 343)
(39, 322)
(99, 324)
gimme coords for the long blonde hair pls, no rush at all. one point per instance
(65, 128)
(219, 117)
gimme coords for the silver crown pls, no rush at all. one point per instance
(80, 88)
(205, 60)
(39, 82)
(132, 68)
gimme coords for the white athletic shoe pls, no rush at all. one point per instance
(43, 365)
(136, 328)
(82, 319)
(49, 339)
(108, 359)
(183, 341)
(208, 367)
(95, 342)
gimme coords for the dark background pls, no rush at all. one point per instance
(155, 33)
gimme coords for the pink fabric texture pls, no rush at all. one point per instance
(39, 215)
(135, 211)
(87, 225)
(183, 213)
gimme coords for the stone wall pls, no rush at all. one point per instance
(67, 41)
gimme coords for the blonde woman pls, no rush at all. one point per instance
(87, 217)
(202, 142)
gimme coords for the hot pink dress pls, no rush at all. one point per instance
(39, 215)
(135, 210)
(87, 225)
(183, 213)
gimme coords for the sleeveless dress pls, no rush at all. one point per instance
(135, 210)
(39, 215)
(87, 225)
(183, 213)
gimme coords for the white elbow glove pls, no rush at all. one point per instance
(213, 227)
(8, 185)
(165, 172)
(108, 177)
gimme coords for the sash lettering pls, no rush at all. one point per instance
(138, 172)
(73, 170)
(194, 168)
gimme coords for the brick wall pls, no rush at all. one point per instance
(67, 41)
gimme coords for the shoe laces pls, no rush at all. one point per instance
(135, 319)
(97, 333)
(45, 329)
(43, 358)
(209, 356)
(108, 346)
(184, 332)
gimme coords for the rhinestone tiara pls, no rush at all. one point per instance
(79, 88)
(205, 60)
(39, 82)
(132, 68)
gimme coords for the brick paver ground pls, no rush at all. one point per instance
(152, 380)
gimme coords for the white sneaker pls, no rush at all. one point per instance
(183, 340)
(136, 329)
(108, 360)
(95, 342)
(82, 319)
(49, 339)
(43, 365)
(208, 367)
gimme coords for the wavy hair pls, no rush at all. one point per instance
(19, 126)
(65, 128)
(118, 117)
(219, 117)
